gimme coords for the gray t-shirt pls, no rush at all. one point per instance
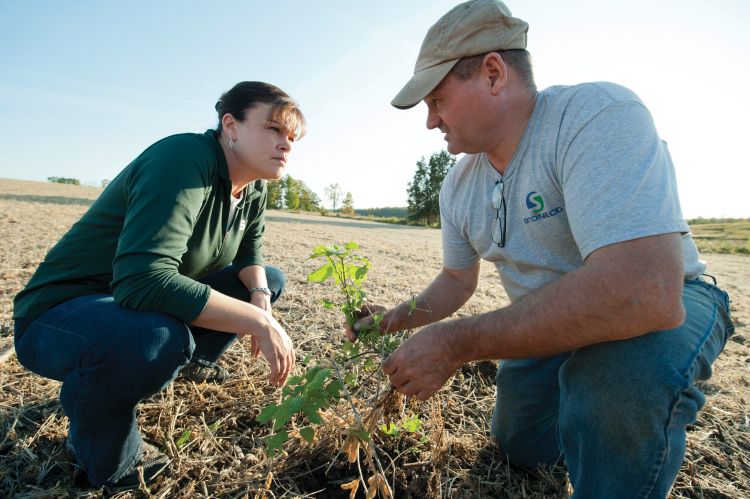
(590, 171)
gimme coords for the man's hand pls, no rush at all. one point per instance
(424, 362)
(365, 320)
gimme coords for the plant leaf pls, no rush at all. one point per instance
(317, 382)
(308, 433)
(390, 429)
(350, 379)
(275, 442)
(267, 414)
(322, 274)
(412, 305)
(318, 251)
(334, 388)
(286, 410)
(184, 438)
(311, 411)
(413, 424)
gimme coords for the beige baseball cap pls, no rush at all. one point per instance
(471, 28)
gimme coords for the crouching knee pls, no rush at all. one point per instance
(530, 447)
(156, 356)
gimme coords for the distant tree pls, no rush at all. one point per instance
(64, 180)
(308, 200)
(388, 211)
(347, 206)
(275, 199)
(333, 192)
(424, 190)
(291, 193)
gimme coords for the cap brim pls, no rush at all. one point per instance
(422, 83)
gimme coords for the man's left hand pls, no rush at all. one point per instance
(424, 362)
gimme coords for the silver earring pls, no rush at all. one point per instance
(231, 143)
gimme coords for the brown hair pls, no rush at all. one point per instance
(518, 59)
(246, 94)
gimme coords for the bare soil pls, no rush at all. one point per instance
(224, 455)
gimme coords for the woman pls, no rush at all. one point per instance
(164, 269)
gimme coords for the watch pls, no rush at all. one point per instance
(265, 291)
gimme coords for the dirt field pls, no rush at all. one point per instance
(225, 456)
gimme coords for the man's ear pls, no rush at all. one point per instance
(494, 72)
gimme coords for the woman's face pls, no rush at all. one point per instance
(261, 147)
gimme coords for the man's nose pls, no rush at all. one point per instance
(433, 120)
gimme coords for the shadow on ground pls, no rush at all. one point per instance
(47, 199)
(340, 222)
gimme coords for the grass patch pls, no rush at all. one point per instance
(721, 235)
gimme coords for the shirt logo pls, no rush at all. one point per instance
(243, 224)
(535, 203)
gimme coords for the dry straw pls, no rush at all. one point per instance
(211, 433)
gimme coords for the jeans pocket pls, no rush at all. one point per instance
(724, 311)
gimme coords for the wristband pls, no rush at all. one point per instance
(265, 291)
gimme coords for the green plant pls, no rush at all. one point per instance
(346, 372)
(329, 380)
(413, 424)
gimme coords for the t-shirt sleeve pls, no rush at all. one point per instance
(165, 193)
(618, 179)
(458, 254)
(250, 251)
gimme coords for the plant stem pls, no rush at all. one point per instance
(357, 416)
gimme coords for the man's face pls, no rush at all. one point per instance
(455, 108)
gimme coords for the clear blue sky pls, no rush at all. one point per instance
(86, 85)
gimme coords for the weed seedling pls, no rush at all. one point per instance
(346, 373)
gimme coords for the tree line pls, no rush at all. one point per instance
(423, 194)
(293, 194)
(64, 180)
(424, 189)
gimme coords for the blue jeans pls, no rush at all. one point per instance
(109, 358)
(615, 413)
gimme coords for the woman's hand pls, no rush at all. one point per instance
(276, 347)
(223, 313)
(261, 300)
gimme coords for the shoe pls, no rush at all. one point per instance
(199, 373)
(80, 478)
(152, 463)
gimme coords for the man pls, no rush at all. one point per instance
(571, 193)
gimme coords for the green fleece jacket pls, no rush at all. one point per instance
(161, 224)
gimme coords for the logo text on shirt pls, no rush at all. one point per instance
(535, 203)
